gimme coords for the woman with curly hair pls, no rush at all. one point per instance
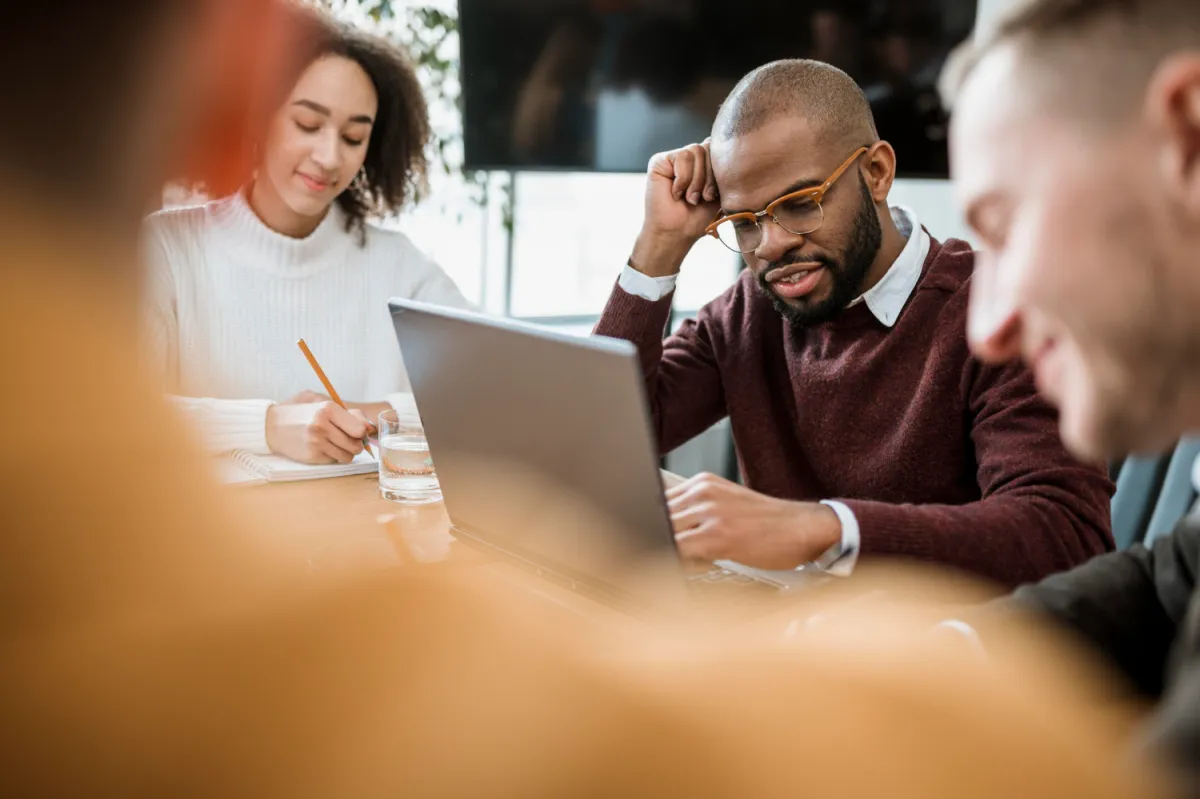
(234, 283)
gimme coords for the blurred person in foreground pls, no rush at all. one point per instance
(157, 643)
(864, 427)
(1076, 156)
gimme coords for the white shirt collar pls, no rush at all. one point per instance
(887, 297)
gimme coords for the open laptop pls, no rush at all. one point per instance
(545, 452)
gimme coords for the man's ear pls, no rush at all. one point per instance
(1172, 107)
(879, 170)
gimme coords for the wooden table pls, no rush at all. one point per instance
(351, 506)
(348, 521)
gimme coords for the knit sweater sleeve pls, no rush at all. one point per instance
(683, 379)
(227, 424)
(1041, 511)
(222, 424)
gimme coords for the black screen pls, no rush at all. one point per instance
(604, 84)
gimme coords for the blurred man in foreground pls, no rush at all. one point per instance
(155, 643)
(1076, 154)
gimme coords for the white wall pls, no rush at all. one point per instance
(933, 202)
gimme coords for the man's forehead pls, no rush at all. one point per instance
(992, 125)
(753, 168)
(1015, 140)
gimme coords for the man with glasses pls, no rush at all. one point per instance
(863, 425)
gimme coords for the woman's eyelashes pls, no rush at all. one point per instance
(349, 140)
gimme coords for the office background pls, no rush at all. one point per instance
(546, 246)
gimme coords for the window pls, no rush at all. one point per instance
(450, 226)
(572, 234)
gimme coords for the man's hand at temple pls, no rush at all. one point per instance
(681, 200)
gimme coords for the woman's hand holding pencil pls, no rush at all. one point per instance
(312, 361)
(320, 432)
(317, 432)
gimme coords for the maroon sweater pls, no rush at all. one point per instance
(939, 456)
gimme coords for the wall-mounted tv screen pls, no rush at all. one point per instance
(604, 84)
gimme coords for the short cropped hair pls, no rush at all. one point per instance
(821, 93)
(1101, 52)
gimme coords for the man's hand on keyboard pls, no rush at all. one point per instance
(715, 519)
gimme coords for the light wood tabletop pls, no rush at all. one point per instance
(348, 525)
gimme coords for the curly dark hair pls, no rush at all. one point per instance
(395, 168)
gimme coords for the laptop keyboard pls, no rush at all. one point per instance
(717, 574)
(722, 581)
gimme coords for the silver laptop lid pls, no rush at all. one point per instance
(542, 443)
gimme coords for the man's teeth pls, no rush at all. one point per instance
(796, 278)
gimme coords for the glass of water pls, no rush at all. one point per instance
(406, 472)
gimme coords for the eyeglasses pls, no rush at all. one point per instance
(799, 213)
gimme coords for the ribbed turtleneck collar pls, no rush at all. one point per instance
(261, 247)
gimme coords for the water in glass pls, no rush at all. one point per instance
(406, 472)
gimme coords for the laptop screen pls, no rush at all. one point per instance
(541, 441)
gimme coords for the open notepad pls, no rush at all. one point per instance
(245, 468)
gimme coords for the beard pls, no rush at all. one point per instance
(848, 274)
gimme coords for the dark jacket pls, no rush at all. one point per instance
(1141, 609)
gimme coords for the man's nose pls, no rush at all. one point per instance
(775, 241)
(993, 320)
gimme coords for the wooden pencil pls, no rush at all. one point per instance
(333, 395)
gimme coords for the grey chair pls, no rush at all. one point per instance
(1153, 493)
(1133, 503)
(1177, 494)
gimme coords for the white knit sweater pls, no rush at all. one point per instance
(226, 298)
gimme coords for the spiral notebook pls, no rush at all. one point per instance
(245, 468)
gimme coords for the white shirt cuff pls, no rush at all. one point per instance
(841, 558)
(648, 288)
